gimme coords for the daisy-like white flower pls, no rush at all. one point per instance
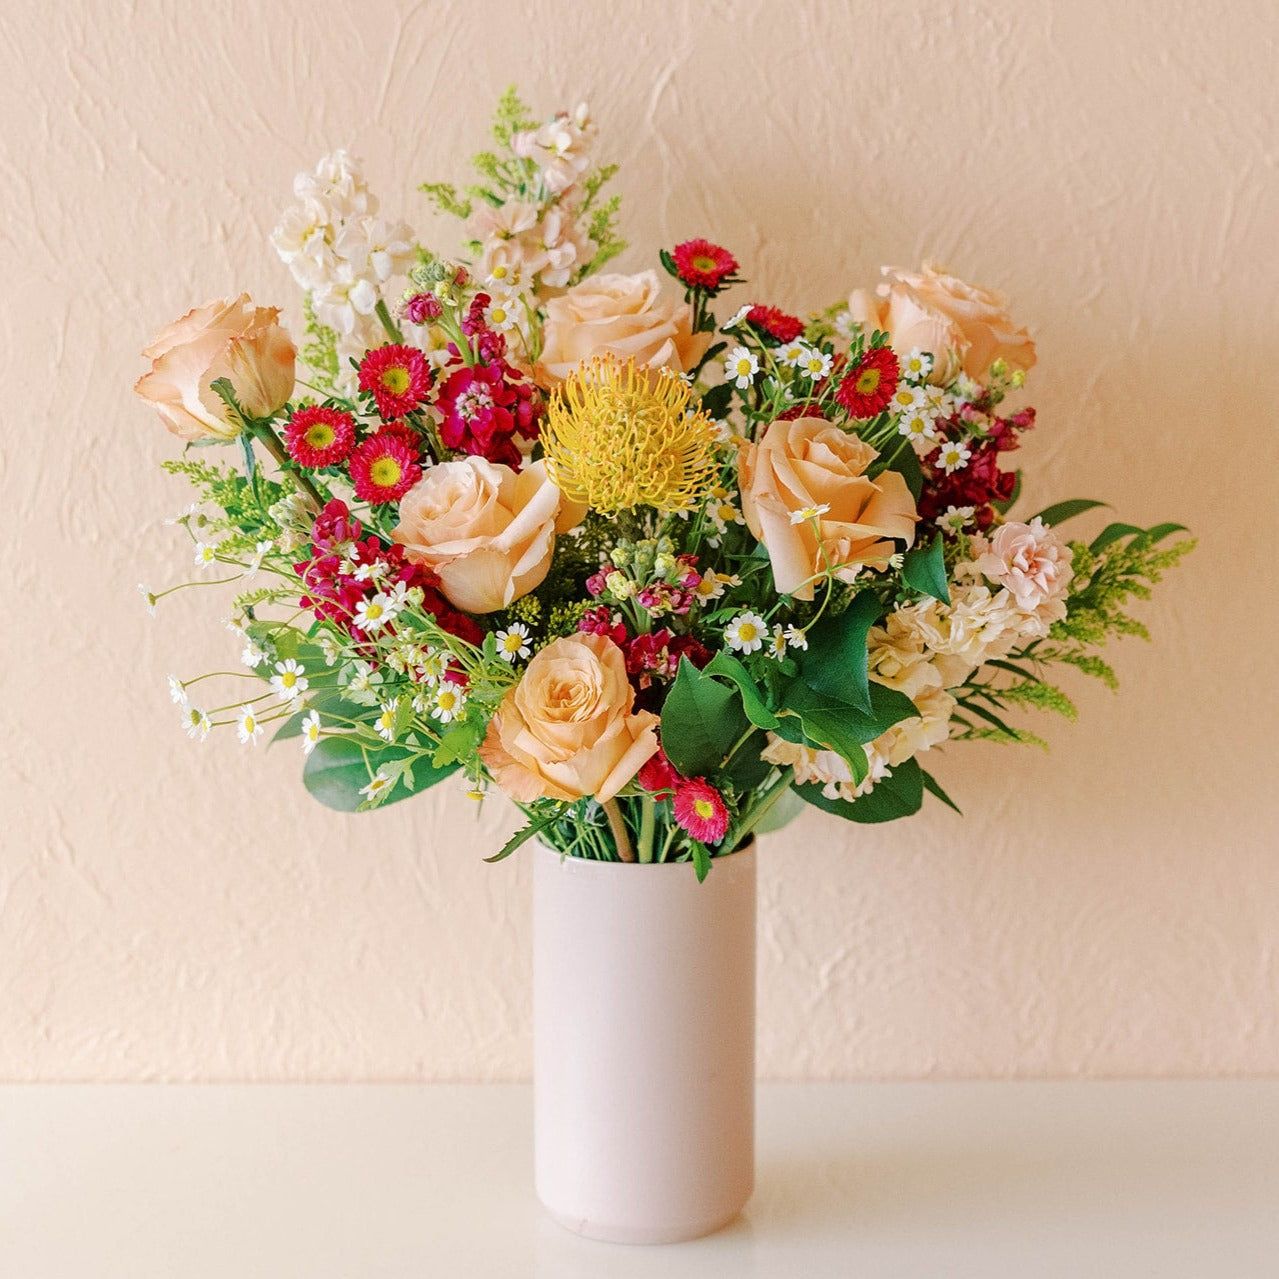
(845, 325)
(713, 584)
(373, 614)
(183, 516)
(954, 456)
(259, 554)
(378, 786)
(917, 425)
(937, 401)
(746, 633)
(330, 649)
(737, 319)
(954, 519)
(917, 365)
(196, 722)
(432, 666)
(450, 702)
(502, 312)
(796, 637)
(365, 572)
(362, 680)
(384, 725)
(793, 353)
(723, 510)
(806, 513)
(906, 398)
(740, 367)
(252, 656)
(205, 554)
(966, 388)
(177, 691)
(815, 365)
(290, 680)
(310, 732)
(149, 597)
(512, 643)
(777, 643)
(248, 727)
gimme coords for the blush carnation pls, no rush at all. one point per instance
(703, 265)
(384, 467)
(700, 810)
(870, 384)
(319, 436)
(777, 324)
(398, 378)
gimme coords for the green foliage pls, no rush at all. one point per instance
(835, 661)
(339, 767)
(899, 794)
(512, 116)
(245, 501)
(924, 569)
(701, 721)
(602, 229)
(445, 198)
(320, 350)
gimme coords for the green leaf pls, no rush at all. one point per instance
(898, 795)
(725, 664)
(701, 860)
(835, 662)
(782, 813)
(700, 721)
(906, 464)
(747, 768)
(336, 770)
(1157, 532)
(1113, 533)
(292, 727)
(715, 401)
(458, 744)
(924, 569)
(933, 787)
(522, 836)
(1060, 512)
(823, 724)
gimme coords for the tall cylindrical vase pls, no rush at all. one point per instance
(644, 1044)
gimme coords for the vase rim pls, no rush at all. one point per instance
(748, 847)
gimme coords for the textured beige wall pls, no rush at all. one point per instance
(172, 911)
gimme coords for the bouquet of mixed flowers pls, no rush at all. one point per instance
(660, 574)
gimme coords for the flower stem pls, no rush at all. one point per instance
(618, 826)
(648, 820)
(275, 446)
(392, 329)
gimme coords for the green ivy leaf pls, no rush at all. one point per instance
(898, 795)
(701, 720)
(834, 664)
(924, 569)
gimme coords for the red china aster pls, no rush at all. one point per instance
(398, 378)
(703, 265)
(384, 468)
(870, 383)
(700, 810)
(777, 324)
(319, 436)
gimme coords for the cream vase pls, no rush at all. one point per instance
(644, 1045)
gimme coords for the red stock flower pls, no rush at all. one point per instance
(703, 265)
(870, 383)
(319, 436)
(398, 377)
(658, 776)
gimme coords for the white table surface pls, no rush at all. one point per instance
(1032, 1180)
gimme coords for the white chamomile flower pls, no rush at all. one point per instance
(746, 633)
(906, 398)
(433, 665)
(183, 516)
(377, 787)
(252, 656)
(450, 702)
(363, 572)
(148, 596)
(740, 367)
(290, 680)
(917, 365)
(501, 314)
(896, 560)
(723, 510)
(512, 643)
(384, 725)
(953, 456)
(329, 649)
(793, 353)
(815, 365)
(937, 401)
(796, 637)
(845, 325)
(259, 554)
(373, 614)
(310, 732)
(966, 388)
(249, 727)
(806, 513)
(742, 313)
(917, 425)
(206, 554)
(954, 519)
(196, 722)
(177, 691)
(777, 643)
(362, 679)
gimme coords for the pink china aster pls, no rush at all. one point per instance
(703, 265)
(398, 378)
(700, 810)
(319, 436)
(777, 324)
(384, 467)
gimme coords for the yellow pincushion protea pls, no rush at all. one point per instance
(617, 437)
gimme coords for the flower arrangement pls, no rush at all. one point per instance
(660, 574)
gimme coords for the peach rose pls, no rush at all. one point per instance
(625, 314)
(963, 326)
(487, 532)
(233, 340)
(566, 729)
(807, 464)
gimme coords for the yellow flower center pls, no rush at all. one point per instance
(447, 699)
(703, 263)
(396, 379)
(386, 472)
(743, 368)
(748, 632)
(288, 679)
(868, 381)
(704, 809)
(320, 435)
(250, 724)
(511, 643)
(373, 612)
(498, 315)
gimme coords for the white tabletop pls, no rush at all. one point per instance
(1032, 1180)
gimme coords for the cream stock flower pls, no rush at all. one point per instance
(1031, 561)
(487, 532)
(622, 315)
(567, 730)
(233, 340)
(960, 325)
(808, 463)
